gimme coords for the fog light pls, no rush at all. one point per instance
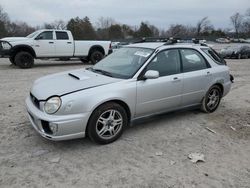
(53, 127)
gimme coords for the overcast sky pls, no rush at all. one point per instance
(161, 13)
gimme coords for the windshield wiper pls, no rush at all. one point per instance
(106, 73)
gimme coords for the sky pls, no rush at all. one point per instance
(161, 13)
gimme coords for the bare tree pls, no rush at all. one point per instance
(236, 21)
(179, 30)
(105, 23)
(203, 25)
(59, 24)
(4, 21)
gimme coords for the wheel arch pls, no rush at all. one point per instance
(117, 101)
(24, 48)
(96, 47)
(220, 86)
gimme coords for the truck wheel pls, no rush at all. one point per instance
(96, 56)
(12, 60)
(24, 60)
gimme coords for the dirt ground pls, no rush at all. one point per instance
(152, 153)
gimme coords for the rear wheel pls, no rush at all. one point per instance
(96, 56)
(212, 99)
(24, 60)
(106, 123)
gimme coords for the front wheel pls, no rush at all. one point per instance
(24, 60)
(107, 122)
(96, 56)
(212, 99)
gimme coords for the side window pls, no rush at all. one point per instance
(62, 35)
(46, 35)
(166, 63)
(192, 60)
(214, 55)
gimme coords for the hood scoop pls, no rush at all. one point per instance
(78, 76)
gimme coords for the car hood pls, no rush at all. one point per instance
(67, 82)
(14, 39)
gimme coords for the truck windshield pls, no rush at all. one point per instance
(32, 34)
(123, 63)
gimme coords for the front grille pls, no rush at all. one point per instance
(35, 101)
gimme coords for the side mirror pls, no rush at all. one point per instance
(151, 74)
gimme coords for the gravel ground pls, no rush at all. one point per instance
(152, 153)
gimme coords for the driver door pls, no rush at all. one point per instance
(164, 93)
(44, 44)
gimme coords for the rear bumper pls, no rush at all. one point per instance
(68, 126)
(110, 51)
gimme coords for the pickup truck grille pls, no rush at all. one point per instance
(35, 101)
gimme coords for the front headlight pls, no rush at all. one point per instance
(52, 105)
(6, 45)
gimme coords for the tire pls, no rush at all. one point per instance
(106, 123)
(212, 99)
(12, 60)
(96, 56)
(24, 60)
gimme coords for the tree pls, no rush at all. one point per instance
(127, 31)
(4, 20)
(20, 29)
(203, 26)
(236, 21)
(115, 32)
(144, 30)
(181, 31)
(81, 28)
(57, 24)
(102, 27)
(246, 22)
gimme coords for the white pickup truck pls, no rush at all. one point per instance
(51, 44)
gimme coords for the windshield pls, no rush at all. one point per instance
(33, 34)
(123, 63)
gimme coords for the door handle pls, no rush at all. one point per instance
(51, 42)
(209, 73)
(176, 79)
(69, 42)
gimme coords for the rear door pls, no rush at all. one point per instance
(197, 76)
(163, 93)
(64, 45)
(44, 44)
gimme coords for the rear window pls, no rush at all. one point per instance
(62, 35)
(214, 56)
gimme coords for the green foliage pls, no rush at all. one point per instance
(144, 31)
(81, 29)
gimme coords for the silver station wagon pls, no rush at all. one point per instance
(136, 81)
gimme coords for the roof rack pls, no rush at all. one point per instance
(172, 40)
(152, 39)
